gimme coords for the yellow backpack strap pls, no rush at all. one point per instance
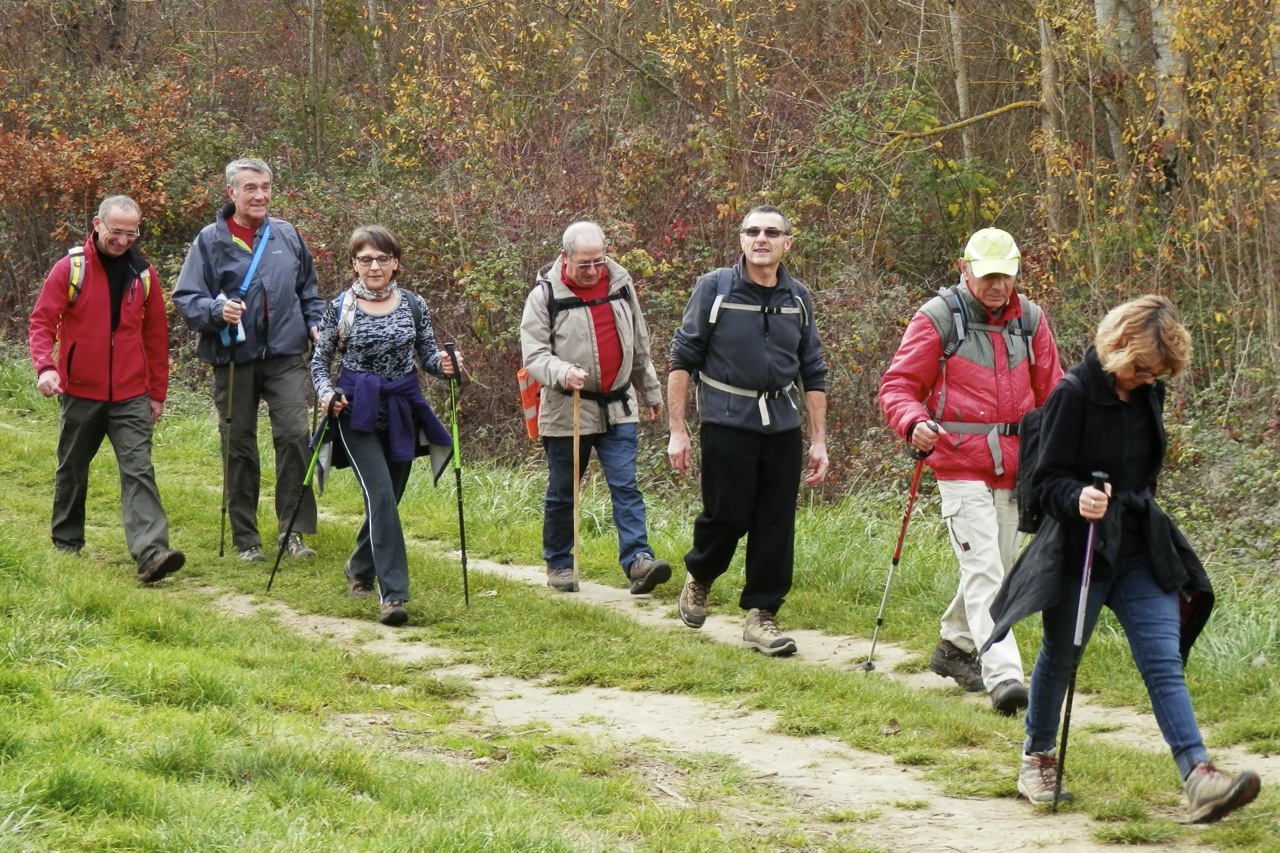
(146, 287)
(75, 280)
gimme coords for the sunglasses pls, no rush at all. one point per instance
(771, 233)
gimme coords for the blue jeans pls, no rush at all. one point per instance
(616, 450)
(1149, 616)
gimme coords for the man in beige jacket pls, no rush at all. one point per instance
(582, 331)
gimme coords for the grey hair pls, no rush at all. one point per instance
(587, 232)
(246, 164)
(768, 208)
(114, 202)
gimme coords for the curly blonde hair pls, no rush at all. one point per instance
(1143, 333)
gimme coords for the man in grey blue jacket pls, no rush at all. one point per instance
(248, 287)
(748, 334)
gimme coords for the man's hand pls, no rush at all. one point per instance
(232, 311)
(925, 435)
(48, 384)
(817, 463)
(315, 335)
(655, 412)
(678, 451)
(575, 379)
(157, 409)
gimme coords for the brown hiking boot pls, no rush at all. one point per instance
(393, 613)
(762, 634)
(162, 564)
(561, 580)
(647, 572)
(1212, 794)
(356, 587)
(950, 661)
(693, 602)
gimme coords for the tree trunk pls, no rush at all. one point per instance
(1113, 35)
(1170, 83)
(961, 77)
(1050, 130)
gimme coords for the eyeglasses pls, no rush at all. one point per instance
(124, 235)
(367, 261)
(1144, 374)
(771, 233)
(588, 266)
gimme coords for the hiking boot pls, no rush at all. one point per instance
(67, 548)
(761, 633)
(693, 602)
(1008, 697)
(950, 661)
(647, 572)
(356, 587)
(393, 613)
(1039, 775)
(162, 564)
(253, 554)
(1212, 794)
(294, 546)
(562, 580)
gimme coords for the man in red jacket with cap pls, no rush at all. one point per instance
(975, 359)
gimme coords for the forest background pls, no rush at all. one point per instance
(1131, 146)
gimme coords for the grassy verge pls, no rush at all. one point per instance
(146, 719)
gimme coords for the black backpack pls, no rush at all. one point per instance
(1030, 513)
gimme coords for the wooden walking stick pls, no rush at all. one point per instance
(577, 483)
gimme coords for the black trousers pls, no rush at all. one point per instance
(750, 481)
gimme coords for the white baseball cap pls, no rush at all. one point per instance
(992, 251)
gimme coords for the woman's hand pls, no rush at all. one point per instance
(1093, 502)
(446, 363)
(333, 402)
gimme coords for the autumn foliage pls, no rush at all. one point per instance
(1130, 149)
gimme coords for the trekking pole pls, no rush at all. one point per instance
(226, 439)
(868, 665)
(577, 484)
(1099, 482)
(318, 441)
(457, 466)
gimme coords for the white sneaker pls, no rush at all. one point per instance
(1212, 794)
(1039, 776)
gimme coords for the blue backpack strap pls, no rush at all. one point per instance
(257, 256)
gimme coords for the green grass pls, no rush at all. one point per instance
(150, 719)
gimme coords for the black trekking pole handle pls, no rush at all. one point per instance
(915, 452)
(1100, 479)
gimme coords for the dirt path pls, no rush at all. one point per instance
(819, 776)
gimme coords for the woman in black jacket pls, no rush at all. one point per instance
(1143, 569)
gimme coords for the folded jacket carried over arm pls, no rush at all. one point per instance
(408, 412)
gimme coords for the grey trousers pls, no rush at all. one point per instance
(380, 549)
(82, 426)
(284, 384)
